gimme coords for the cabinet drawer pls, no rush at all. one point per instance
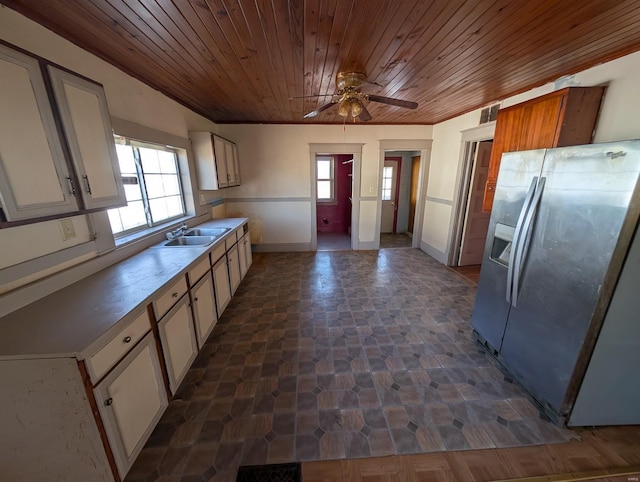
(118, 347)
(199, 270)
(239, 233)
(218, 253)
(169, 297)
(231, 240)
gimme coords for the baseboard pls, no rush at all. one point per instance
(368, 245)
(280, 247)
(438, 255)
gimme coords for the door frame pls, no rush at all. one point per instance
(333, 149)
(483, 132)
(424, 147)
(397, 159)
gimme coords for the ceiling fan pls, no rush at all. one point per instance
(350, 99)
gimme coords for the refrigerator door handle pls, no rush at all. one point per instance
(516, 236)
(524, 244)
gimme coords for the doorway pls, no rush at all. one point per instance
(473, 221)
(390, 192)
(413, 193)
(334, 188)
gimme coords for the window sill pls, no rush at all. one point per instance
(148, 233)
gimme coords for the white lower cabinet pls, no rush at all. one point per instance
(178, 339)
(244, 254)
(234, 268)
(204, 307)
(221, 283)
(131, 400)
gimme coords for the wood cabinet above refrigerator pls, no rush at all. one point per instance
(566, 117)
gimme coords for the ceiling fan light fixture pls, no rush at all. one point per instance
(343, 108)
(356, 108)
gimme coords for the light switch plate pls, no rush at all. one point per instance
(67, 229)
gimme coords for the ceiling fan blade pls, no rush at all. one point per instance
(309, 96)
(314, 113)
(364, 116)
(388, 100)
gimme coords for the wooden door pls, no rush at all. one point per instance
(413, 196)
(389, 195)
(131, 400)
(476, 223)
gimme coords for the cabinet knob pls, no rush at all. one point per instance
(108, 402)
(174, 295)
(127, 339)
(490, 188)
(195, 299)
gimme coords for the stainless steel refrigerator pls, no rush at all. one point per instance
(561, 226)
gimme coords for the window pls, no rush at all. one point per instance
(325, 179)
(152, 185)
(387, 178)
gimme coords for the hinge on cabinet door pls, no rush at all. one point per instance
(72, 188)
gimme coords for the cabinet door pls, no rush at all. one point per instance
(242, 257)
(236, 165)
(231, 166)
(85, 118)
(247, 249)
(204, 307)
(221, 161)
(234, 268)
(221, 283)
(131, 400)
(178, 338)
(34, 177)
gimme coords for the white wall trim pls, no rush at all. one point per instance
(354, 149)
(439, 200)
(482, 132)
(267, 199)
(281, 247)
(433, 252)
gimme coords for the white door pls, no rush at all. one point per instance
(236, 165)
(247, 249)
(234, 268)
(221, 283)
(85, 118)
(204, 307)
(131, 400)
(178, 338)
(476, 223)
(242, 257)
(389, 208)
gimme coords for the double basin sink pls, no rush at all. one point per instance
(196, 237)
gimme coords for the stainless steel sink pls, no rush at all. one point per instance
(191, 241)
(216, 232)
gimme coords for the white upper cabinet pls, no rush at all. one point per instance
(34, 177)
(217, 161)
(85, 119)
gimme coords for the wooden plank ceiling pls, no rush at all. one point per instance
(242, 60)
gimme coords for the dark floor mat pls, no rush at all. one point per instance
(270, 473)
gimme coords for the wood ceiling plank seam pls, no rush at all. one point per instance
(135, 9)
(217, 34)
(295, 15)
(259, 99)
(238, 27)
(344, 10)
(544, 63)
(423, 44)
(202, 28)
(277, 79)
(468, 52)
(323, 37)
(176, 16)
(385, 50)
(453, 28)
(310, 27)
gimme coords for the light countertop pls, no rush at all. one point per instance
(68, 321)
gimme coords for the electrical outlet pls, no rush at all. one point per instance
(67, 229)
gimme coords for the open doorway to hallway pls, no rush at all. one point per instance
(399, 195)
(334, 185)
(473, 222)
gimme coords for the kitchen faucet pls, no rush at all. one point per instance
(177, 232)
